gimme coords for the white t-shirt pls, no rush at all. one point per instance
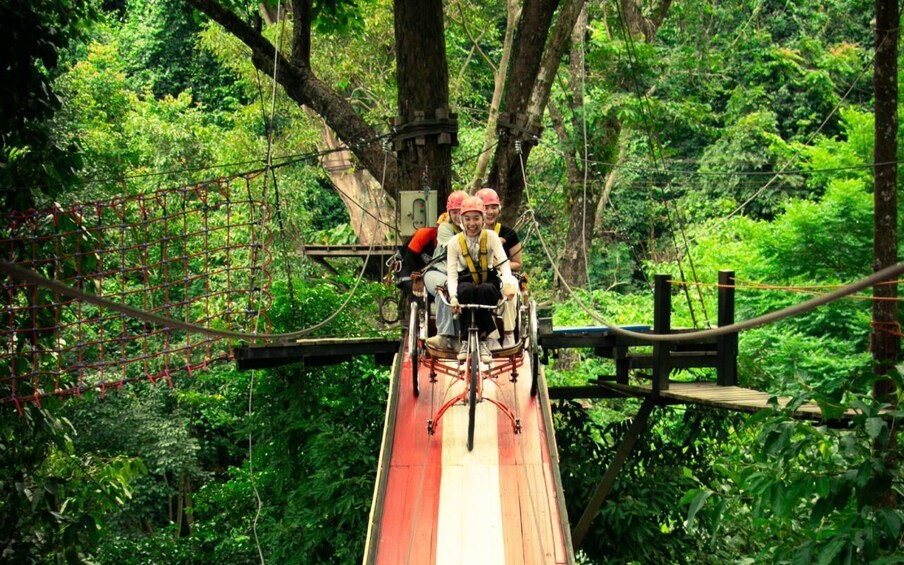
(455, 262)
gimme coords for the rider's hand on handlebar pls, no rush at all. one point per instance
(417, 287)
(508, 291)
(455, 306)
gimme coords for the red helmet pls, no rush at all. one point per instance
(488, 195)
(473, 204)
(453, 202)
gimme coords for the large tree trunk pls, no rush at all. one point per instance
(499, 75)
(422, 75)
(885, 340)
(533, 67)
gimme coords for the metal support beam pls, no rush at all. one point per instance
(605, 485)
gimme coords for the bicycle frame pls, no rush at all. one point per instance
(474, 378)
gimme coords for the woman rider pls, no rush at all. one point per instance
(436, 275)
(512, 246)
(477, 265)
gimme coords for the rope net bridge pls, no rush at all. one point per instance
(198, 254)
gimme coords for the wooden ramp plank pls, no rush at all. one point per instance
(436, 502)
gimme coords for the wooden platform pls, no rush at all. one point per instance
(436, 502)
(726, 397)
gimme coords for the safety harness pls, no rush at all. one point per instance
(484, 274)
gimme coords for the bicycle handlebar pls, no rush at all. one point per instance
(442, 298)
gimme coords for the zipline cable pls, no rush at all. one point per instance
(285, 160)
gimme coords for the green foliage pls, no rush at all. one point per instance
(787, 362)
(123, 132)
(162, 56)
(822, 240)
(814, 488)
(642, 520)
(748, 146)
(339, 16)
(56, 500)
(315, 435)
(33, 158)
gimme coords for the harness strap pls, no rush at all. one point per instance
(497, 228)
(483, 275)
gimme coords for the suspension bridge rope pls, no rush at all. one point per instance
(185, 257)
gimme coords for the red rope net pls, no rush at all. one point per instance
(199, 254)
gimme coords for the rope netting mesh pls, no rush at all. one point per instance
(198, 254)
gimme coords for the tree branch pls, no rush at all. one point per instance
(301, 33)
(302, 86)
(234, 25)
(561, 35)
(474, 42)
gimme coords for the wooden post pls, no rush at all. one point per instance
(726, 345)
(662, 324)
(622, 364)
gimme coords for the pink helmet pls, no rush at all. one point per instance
(473, 204)
(488, 195)
(453, 202)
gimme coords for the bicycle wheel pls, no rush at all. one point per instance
(390, 309)
(534, 329)
(473, 380)
(413, 347)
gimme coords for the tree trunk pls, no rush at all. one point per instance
(583, 187)
(180, 500)
(586, 189)
(518, 130)
(422, 75)
(638, 24)
(600, 226)
(499, 76)
(885, 343)
(189, 508)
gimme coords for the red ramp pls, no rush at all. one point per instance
(436, 502)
